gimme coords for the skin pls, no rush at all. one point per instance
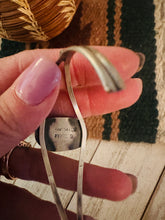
(87, 87)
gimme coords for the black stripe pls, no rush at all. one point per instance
(10, 47)
(107, 127)
(111, 21)
(139, 122)
(111, 41)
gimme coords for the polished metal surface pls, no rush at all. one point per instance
(61, 134)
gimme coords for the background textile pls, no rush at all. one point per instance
(133, 24)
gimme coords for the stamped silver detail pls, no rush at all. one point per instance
(62, 133)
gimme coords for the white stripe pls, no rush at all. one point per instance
(160, 66)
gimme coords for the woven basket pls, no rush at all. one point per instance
(35, 20)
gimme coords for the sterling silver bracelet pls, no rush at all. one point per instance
(111, 81)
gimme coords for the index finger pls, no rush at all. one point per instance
(83, 74)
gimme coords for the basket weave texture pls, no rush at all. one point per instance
(35, 20)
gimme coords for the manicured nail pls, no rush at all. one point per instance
(38, 81)
(142, 61)
(134, 182)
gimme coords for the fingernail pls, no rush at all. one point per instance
(38, 81)
(134, 182)
(141, 61)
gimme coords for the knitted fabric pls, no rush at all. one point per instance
(131, 24)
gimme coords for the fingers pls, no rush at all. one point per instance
(18, 203)
(95, 101)
(99, 182)
(25, 104)
(31, 96)
(125, 61)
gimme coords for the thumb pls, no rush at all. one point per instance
(27, 102)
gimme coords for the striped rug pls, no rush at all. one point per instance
(137, 25)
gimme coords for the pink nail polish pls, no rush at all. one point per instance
(38, 81)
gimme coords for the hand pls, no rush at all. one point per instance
(30, 84)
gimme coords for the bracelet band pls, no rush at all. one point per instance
(111, 81)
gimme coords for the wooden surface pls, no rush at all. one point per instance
(146, 161)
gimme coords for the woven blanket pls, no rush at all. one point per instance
(140, 26)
